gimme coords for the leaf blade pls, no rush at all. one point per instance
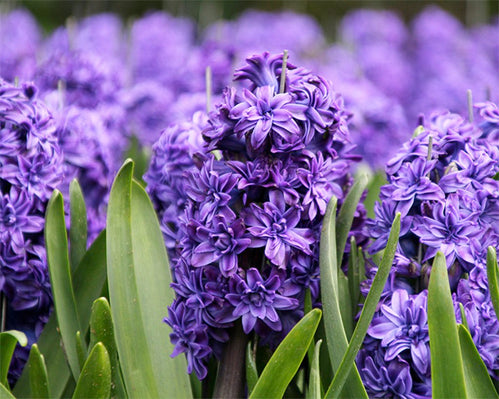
(493, 278)
(78, 224)
(95, 378)
(336, 339)
(477, 379)
(287, 358)
(8, 342)
(447, 375)
(372, 300)
(38, 378)
(56, 243)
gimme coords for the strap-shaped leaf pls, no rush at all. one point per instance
(139, 289)
(336, 338)
(314, 381)
(346, 215)
(95, 378)
(8, 342)
(102, 330)
(88, 278)
(476, 376)
(5, 393)
(78, 224)
(447, 373)
(287, 358)
(38, 379)
(251, 371)
(367, 314)
(493, 278)
(56, 242)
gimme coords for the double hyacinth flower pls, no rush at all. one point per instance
(245, 242)
(30, 168)
(443, 183)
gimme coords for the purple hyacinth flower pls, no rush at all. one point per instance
(404, 326)
(413, 182)
(210, 188)
(386, 379)
(255, 299)
(265, 115)
(189, 337)
(222, 242)
(276, 228)
(447, 230)
(16, 218)
(319, 178)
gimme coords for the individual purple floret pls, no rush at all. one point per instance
(249, 205)
(31, 167)
(20, 38)
(443, 183)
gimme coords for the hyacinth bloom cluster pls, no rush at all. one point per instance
(31, 167)
(443, 182)
(242, 221)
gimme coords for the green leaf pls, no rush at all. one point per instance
(493, 278)
(373, 189)
(139, 288)
(38, 379)
(5, 393)
(287, 358)
(78, 224)
(447, 373)
(346, 215)
(372, 300)
(102, 330)
(95, 378)
(336, 338)
(251, 371)
(354, 266)
(345, 303)
(88, 278)
(476, 376)
(314, 382)
(80, 349)
(463, 316)
(56, 243)
(8, 342)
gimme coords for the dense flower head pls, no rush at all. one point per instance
(31, 167)
(442, 181)
(253, 198)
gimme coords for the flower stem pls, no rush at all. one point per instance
(231, 371)
(282, 85)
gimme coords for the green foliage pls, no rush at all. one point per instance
(8, 342)
(348, 361)
(447, 372)
(251, 370)
(493, 278)
(38, 378)
(139, 289)
(336, 338)
(284, 363)
(60, 279)
(477, 380)
(95, 377)
(78, 224)
(457, 369)
(102, 330)
(314, 381)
